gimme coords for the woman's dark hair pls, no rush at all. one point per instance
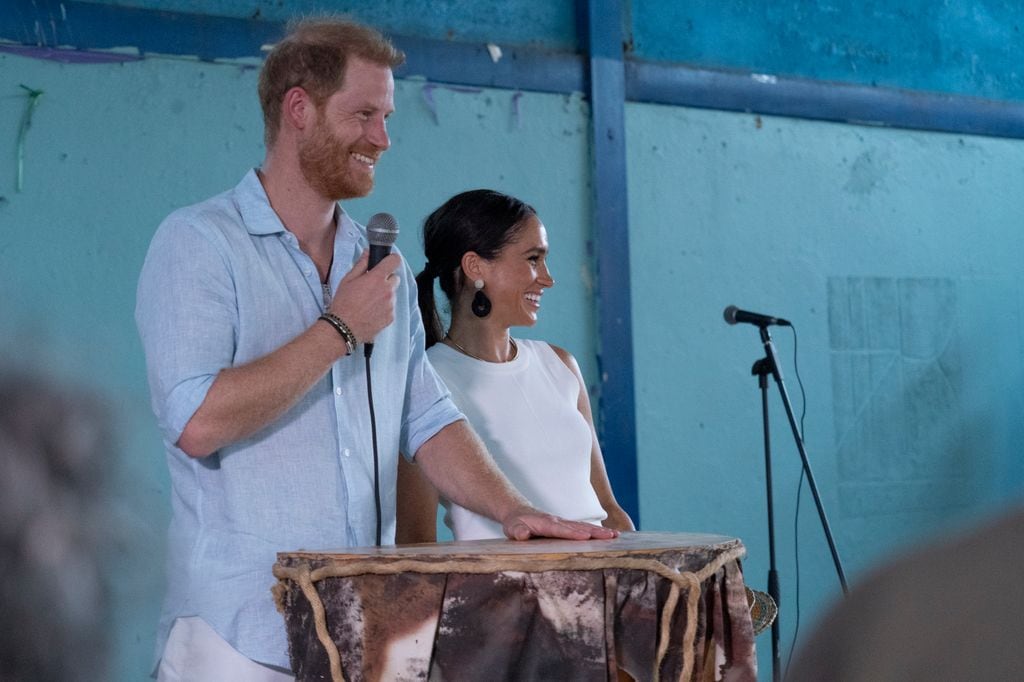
(480, 220)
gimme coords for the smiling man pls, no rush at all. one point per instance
(249, 307)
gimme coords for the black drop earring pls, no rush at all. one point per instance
(481, 305)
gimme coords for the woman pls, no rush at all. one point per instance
(526, 399)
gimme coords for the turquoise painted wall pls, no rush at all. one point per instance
(895, 254)
(897, 257)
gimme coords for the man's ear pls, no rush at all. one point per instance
(297, 109)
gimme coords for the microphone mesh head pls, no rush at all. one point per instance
(730, 314)
(382, 230)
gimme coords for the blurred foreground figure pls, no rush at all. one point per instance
(54, 447)
(950, 611)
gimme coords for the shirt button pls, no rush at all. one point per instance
(307, 273)
(337, 391)
(346, 452)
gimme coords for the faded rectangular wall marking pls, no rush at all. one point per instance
(896, 379)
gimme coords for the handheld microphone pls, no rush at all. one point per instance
(381, 231)
(732, 315)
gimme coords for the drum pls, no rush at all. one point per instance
(658, 606)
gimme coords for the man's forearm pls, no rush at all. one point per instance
(245, 399)
(457, 463)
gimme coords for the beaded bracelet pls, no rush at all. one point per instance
(346, 334)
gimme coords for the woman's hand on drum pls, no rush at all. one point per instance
(618, 519)
(526, 523)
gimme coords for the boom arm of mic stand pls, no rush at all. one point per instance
(769, 348)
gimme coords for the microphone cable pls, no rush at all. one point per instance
(367, 352)
(796, 513)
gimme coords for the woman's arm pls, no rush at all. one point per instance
(617, 516)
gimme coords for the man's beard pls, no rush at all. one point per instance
(324, 162)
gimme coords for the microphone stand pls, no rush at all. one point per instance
(762, 368)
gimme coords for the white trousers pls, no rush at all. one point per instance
(196, 653)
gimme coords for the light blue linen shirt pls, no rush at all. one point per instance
(225, 283)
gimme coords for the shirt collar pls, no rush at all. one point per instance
(254, 206)
(260, 217)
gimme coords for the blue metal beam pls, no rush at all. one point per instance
(471, 64)
(823, 101)
(616, 399)
(85, 27)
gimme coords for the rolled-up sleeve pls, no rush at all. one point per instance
(187, 317)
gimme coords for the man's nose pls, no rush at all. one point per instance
(378, 134)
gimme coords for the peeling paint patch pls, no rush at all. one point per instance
(26, 123)
(866, 174)
(427, 93)
(516, 97)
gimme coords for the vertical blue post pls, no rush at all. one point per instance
(601, 33)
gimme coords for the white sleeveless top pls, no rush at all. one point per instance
(525, 411)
